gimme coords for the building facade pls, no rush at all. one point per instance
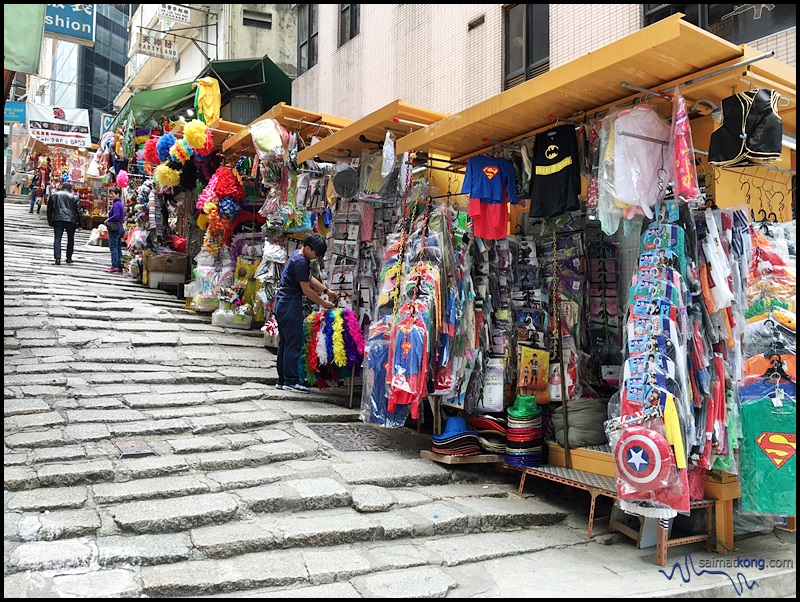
(354, 59)
(204, 33)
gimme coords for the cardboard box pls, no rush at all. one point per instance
(156, 278)
(173, 264)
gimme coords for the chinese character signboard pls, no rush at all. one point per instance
(14, 113)
(162, 48)
(70, 22)
(57, 125)
(174, 12)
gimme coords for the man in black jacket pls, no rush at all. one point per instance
(64, 215)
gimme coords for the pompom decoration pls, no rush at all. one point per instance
(194, 133)
(228, 207)
(181, 151)
(166, 176)
(165, 143)
(151, 151)
(228, 185)
(122, 179)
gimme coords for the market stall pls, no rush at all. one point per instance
(553, 369)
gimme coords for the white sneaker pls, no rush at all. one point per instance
(279, 387)
(297, 388)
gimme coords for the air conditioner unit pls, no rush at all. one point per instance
(244, 108)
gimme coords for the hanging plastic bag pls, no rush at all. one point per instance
(686, 186)
(389, 156)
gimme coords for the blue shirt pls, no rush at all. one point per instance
(297, 270)
(487, 178)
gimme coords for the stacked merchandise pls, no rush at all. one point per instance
(525, 440)
(456, 440)
(492, 432)
(768, 398)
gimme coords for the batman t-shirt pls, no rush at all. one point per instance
(556, 180)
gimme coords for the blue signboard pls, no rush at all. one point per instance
(70, 22)
(106, 119)
(14, 112)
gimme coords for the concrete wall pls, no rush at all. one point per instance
(280, 42)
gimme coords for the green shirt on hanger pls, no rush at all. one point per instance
(768, 460)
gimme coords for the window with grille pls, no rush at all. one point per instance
(526, 42)
(737, 23)
(252, 18)
(307, 37)
(349, 15)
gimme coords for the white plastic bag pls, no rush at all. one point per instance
(389, 156)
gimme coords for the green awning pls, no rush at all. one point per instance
(153, 104)
(251, 76)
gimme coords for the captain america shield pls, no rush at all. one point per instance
(643, 458)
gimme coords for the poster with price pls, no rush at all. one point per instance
(59, 126)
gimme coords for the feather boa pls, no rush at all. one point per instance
(339, 353)
(353, 330)
(322, 349)
(328, 329)
(313, 358)
(305, 357)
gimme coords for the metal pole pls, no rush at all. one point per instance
(9, 156)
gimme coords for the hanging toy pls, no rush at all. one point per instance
(165, 143)
(122, 179)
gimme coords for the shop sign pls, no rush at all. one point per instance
(70, 22)
(162, 48)
(57, 125)
(106, 119)
(174, 12)
(76, 165)
(14, 112)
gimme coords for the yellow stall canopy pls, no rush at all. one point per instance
(660, 57)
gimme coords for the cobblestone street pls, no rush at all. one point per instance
(242, 497)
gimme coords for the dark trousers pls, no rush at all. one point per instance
(60, 228)
(33, 197)
(115, 245)
(289, 315)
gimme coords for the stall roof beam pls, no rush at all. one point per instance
(397, 116)
(665, 53)
(307, 123)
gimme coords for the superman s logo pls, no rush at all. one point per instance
(490, 171)
(778, 447)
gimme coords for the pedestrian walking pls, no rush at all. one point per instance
(115, 223)
(297, 281)
(64, 214)
(33, 185)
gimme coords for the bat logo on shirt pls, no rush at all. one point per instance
(778, 447)
(490, 171)
(551, 152)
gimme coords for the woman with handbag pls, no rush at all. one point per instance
(115, 222)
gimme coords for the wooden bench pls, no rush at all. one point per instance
(597, 485)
